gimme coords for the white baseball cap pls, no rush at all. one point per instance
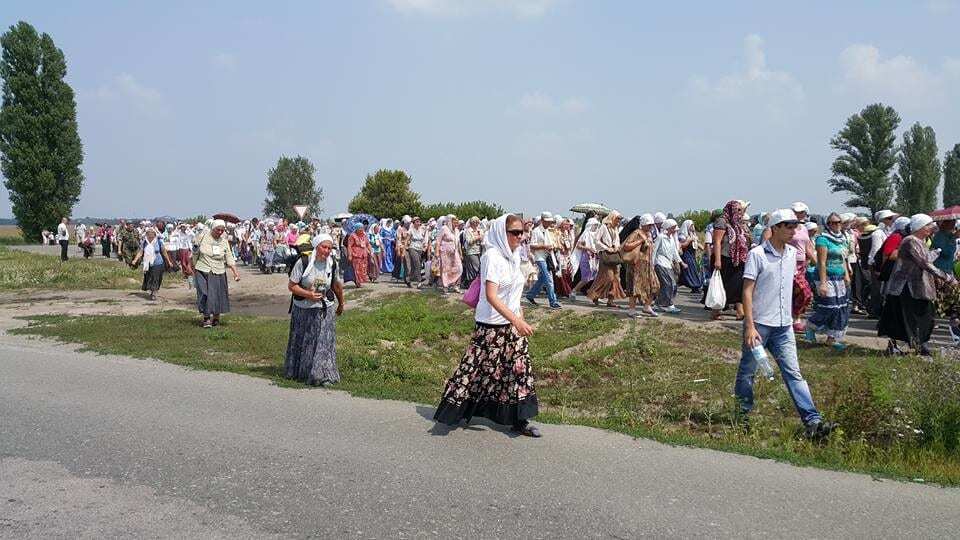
(919, 221)
(884, 214)
(800, 207)
(811, 225)
(546, 216)
(782, 215)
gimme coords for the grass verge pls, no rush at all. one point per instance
(22, 270)
(900, 417)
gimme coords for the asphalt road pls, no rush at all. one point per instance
(105, 446)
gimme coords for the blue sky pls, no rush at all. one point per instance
(536, 104)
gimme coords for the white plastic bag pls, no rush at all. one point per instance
(716, 296)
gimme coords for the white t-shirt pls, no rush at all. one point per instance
(62, 232)
(509, 280)
(541, 237)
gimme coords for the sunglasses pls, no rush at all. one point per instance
(516, 232)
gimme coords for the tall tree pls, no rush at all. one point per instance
(291, 183)
(951, 177)
(40, 150)
(918, 175)
(386, 194)
(867, 142)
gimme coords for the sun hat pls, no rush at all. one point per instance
(782, 215)
(659, 217)
(646, 219)
(884, 214)
(800, 206)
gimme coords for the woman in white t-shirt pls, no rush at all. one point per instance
(495, 379)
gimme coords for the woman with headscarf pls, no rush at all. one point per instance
(563, 251)
(666, 262)
(607, 283)
(290, 237)
(317, 300)
(154, 259)
(587, 260)
(831, 280)
(448, 254)
(472, 243)
(731, 242)
(388, 239)
(213, 258)
(691, 276)
(495, 376)
(358, 249)
(908, 310)
(642, 283)
(376, 253)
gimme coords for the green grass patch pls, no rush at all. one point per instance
(22, 270)
(900, 417)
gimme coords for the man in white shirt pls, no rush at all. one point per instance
(768, 322)
(541, 247)
(63, 238)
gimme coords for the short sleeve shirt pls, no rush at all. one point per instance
(772, 272)
(510, 280)
(321, 276)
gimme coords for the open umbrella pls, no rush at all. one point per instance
(946, 214)
(342, 215)
(228, 217)
(585, 208)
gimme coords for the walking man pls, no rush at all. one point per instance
(63, 238)
(541, 245)
(768, 322)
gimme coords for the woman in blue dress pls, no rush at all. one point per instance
(832, 285)
(691, 276)
(388, 236)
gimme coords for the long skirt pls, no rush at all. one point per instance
(450, 266)
(607, 283)
(563, 282)
(213, 298)
(802, 294)
(360, 266)
(398, 272)
(471, 269)
(906, 318)
(667, 287)
(105, 248)
(691, 276)
(386, 265)
(732, 280)
(152, 278)
(494, 380)
(414, 264)
(186, 261)
(587, 273)
(311, 347)
(832, 312)
(373, 267)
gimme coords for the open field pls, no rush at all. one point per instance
(10, 235)
(21, 270)
(670, 381)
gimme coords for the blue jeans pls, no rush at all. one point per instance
(782, 344)
(544, 279)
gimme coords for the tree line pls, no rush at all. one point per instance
(877, 172)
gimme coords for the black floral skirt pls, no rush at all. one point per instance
(494, 380)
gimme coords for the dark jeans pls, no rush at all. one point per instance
(64, 244)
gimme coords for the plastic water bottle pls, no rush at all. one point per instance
(763, 363)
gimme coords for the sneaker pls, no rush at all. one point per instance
(839, 347)
(810, 335)
(671, 309)
(556, 306)
(206, 323)
(650, 313)
(818, 430)
(531, 300)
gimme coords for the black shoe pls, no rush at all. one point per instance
(556, 306)
(527, 429)
(531, 300)
(818, 430)
(925, 351)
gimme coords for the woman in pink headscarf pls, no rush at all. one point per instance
(730, 246)
(448, 253)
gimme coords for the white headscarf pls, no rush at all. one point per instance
(589, 234)
(322, 237)
(496, 238)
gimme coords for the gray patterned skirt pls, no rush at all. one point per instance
(212, 294)
(311, 348)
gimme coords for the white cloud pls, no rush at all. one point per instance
(756, 84)
(125, 87)
(900, 78)
(224, 60)
(462, 8)
(540, 102)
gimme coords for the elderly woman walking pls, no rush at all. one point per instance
(154, 260)
(472, 243)
(832, 283)
(642, 282)
(666, 262)
(448, 254)
(588, 262)
(214, 256)
(908, 310)
(358, 249)
(691, 276)
(495, 376)
(317, 300)
(607, 283)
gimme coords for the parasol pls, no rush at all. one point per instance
(946, 214)
(356, 220)
(342, 215)
(227, 216)
(585, 208)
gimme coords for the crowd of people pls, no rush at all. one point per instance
(781, 272)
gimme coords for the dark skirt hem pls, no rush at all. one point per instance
(507, 414)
